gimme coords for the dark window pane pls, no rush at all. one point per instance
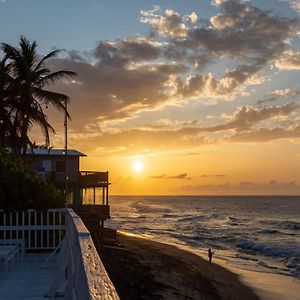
(60, 166)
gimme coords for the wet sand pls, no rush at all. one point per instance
(144, 269)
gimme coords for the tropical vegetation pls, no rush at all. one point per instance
(24, 95)
(21, 189)
(24, 76)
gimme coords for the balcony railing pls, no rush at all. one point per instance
(93, 179)
(80, 272)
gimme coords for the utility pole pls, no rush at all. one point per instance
(66, 153)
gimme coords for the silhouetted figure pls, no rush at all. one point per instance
(210, 254)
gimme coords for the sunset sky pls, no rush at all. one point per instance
(175, 97)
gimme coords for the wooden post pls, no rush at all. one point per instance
(103, 195)
(94, 189)
(66, 153)
(107, 194)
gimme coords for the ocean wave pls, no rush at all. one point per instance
(290, 225)
(145, 208)
(193, 218)
(234, 221)
(259, 230)
(171, 216)
(286, 224)
(293, 263)
(268, 231)
(268, 250)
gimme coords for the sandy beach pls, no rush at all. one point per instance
(144, 269)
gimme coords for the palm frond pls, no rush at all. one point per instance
(51, 78)
(57, 100)
(49, 55)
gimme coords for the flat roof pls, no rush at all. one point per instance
(55, 152)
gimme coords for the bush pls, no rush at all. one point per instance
(21, 188)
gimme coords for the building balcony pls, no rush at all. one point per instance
(91, 179)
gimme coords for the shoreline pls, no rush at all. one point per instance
(147, 269)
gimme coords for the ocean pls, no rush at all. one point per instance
(254, 233)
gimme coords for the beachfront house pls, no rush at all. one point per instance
(87, 191)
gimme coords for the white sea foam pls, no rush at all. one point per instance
(253, 233)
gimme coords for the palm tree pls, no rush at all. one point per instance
(5, 89)
(30, 97)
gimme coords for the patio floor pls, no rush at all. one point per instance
(31, 278)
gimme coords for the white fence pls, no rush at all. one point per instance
(40, 230)
(80, 272)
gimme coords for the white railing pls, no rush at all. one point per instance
(40, 230)
(85, 260)
(80, 266)
(80, 272)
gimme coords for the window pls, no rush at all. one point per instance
(60, 166)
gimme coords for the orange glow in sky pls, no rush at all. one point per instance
(186, 98)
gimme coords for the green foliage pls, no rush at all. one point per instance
(21, 189)
(25, 94)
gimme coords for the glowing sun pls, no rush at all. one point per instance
(137, 166)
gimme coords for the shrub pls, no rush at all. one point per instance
(21, 188)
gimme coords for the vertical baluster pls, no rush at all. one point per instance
(17, 224)
(36, 229)
(23, 223)
(59, 221)
(4, 220)
(42, 231)
(54, 223)
(48, 229)
(10, 226)
(29, 231)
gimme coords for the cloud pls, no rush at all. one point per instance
(289, 60)
(294, 4)
(212, 175)
(253, 33)
(246, 116)
(264, 135)
(277, 94)
(171, 23)
(163, 176)
(124, 77)
(246, 188)
(242, 126)
(179, 176)
(167, 123)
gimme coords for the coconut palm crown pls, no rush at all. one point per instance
(23, 92)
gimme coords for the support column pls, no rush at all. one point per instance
(103, 195)
(107, 194)
(94, 190)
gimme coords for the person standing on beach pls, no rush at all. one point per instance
(210, 254)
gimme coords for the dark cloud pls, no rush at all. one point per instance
(179, 176)
(121, 78)
(163, 176)
(246, 187)
(242, 126)
(212, 175)
(126, 76)
(275, 95)
(120, 53)
(265, 135)
(247, 116)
